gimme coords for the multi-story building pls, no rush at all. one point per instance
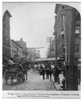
(33, 54)
(68, 44)
(24, 48)
(63, 28)
(16, 50)
(6, 35)
(51, 49)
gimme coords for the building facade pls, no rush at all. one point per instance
(6, 35)
(33, 54)
(16, 51)
(24, 48)
(68, 42)
(63, 29)
(51, 49)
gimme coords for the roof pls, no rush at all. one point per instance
(56, 8)
(48, 59)
(16, 43)
(8, 13)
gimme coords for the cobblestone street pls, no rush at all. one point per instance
(34, 82)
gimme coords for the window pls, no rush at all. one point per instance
(63, 48)
(4, 29)
(7, 19)
(4, 39)
(63, 7)
(77, 48)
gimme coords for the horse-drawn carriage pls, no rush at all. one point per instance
(14, 73)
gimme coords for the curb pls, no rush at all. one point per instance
(54, 85)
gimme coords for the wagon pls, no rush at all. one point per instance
(14, 74)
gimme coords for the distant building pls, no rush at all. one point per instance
(51, 49)
(33, 54)
(6, 35)
(24, 48)
(63, 23)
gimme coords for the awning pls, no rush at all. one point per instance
(10, 62)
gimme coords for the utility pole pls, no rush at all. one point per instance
(55, 33)
(49, 39)
(73, 80)
(66, 53)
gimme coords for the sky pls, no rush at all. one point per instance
(33, 22)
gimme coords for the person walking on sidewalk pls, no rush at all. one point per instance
(47, 71)
(43, 71)
(50, 74)
(56, 74)
(51, 71)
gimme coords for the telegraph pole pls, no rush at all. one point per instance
(55, 33)
(49, 39)
(73, 80)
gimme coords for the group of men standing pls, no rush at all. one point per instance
(47, 70)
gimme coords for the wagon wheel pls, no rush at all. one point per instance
(19, 77)
(5, 79)
(23, 77)
(5, 82)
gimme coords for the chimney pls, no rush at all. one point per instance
(21, 39)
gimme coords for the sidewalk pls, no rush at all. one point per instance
(58, 86)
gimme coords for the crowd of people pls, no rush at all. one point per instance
(48, 70)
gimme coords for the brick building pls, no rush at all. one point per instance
(16, 51)
(24, 48)
(68, 42)
(63, 28)
(51, 49)
(6, 35)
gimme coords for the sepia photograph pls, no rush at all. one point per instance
(41, 49)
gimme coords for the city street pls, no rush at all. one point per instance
(43, 42)
(34, 82)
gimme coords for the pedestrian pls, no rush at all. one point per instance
(50, 71)
(79, 74)
(20, 66)
(56, 74)
(47, 71)
(43, 71)
(25, 67)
